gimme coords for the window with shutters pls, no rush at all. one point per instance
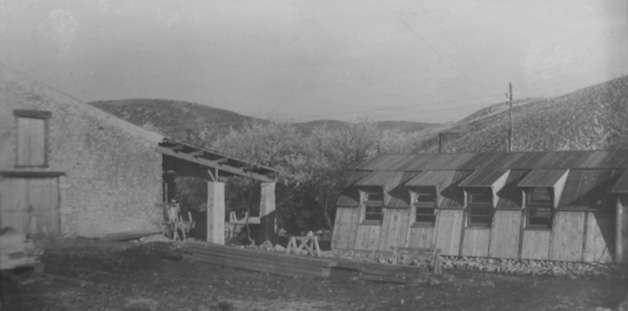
(479, 207)
(373, 202)
(539, 202)
(424, 202)
(32, 136)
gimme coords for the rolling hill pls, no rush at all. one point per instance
(594, 117)
(175, 119)
(194, 122)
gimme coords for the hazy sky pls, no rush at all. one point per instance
(297, 60)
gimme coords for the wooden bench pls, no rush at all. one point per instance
(419, 253)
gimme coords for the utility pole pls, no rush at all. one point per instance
(510, 117)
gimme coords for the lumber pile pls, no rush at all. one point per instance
(16, 250)
(294, 265)
(256, 260)
(379, 272)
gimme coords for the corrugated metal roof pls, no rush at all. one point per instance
(431, 178)
(400, 196)
(356, 176)
(500, 160)
(511, 197)
(351, 196)
(385, 162)
(589, 189)
(380, 179)
(542, 178)
(621, 186)
(453, 195)
(482, 178)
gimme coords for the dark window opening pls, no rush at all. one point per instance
(374, 206)
(32, 138)
(539, 211)
(480, 196)
(540, 195)
(425, 206)
(480, 207)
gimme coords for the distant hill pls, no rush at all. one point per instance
(196, 123)
(175, 119)
(595, 117)
(402, 126)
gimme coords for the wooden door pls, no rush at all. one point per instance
(43, 199)
(14, 208)
(30, 205)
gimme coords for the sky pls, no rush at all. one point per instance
(300, 60)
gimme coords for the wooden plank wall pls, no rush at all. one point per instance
(31, 142)
(394, 228)
(14, 205)
(596, 248)
(475, 242)
(422, 237)
(623, 203)
(576, 236)
(505, 234)
(535, 244)
(43, 196)
(448, 230)
(567, 236)
(345, 227)
(367, 237)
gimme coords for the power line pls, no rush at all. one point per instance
(432, 47)
(392, 108)
(437, 110)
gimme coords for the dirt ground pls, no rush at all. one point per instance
(89, 275)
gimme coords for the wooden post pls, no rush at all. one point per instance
(510, 117)
(216, 212)
(441, 142)
(267, 213)
(620, 236)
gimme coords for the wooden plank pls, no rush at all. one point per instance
(596, 248)
(43, 197)
(367, 237)
(14, 209)
(266, 267)
(342, 228)
(448, 231)
(340, 234)
(272, 257)
(392, 232)
(301, 261)
(23, 141)
(421, 237)
(476, 242)
(258, 255)
(535, 244)
(567, 236)
(505, 234)
(354, 223)
(37, 142)
(129, 235)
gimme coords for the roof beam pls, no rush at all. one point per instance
(212, 164)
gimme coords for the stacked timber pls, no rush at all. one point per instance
(377, 272)
(261, 261)
(295, 265)
(16, 251)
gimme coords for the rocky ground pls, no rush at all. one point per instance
(91, 275)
